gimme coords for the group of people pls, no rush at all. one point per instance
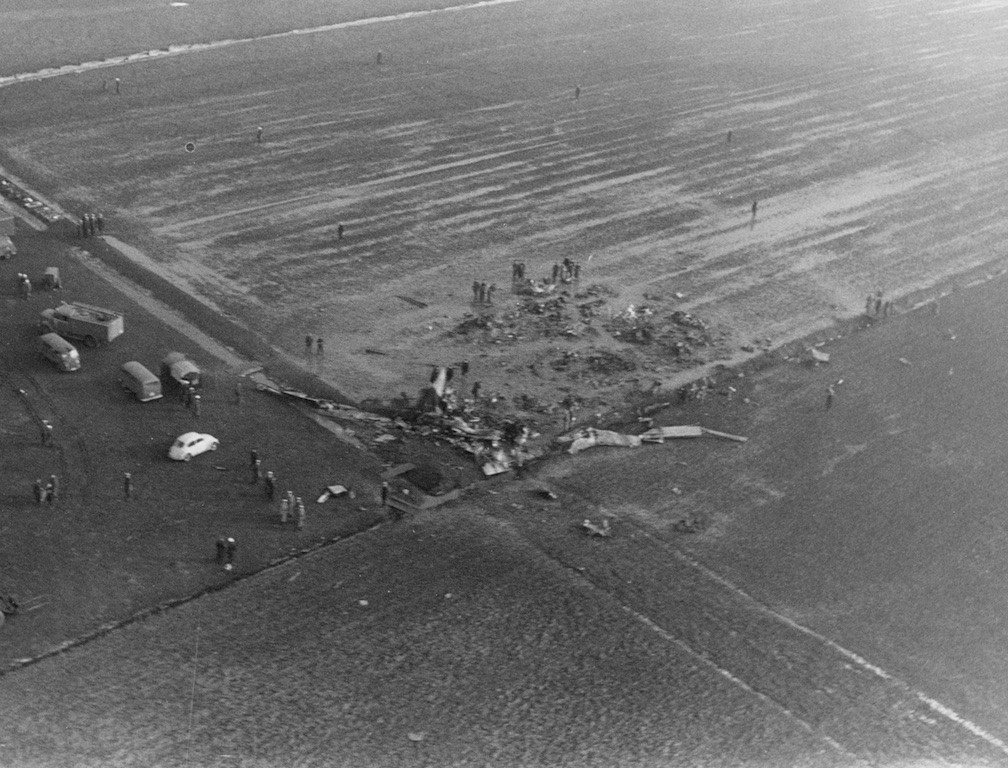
(876, 307)
(192, 400)
(90, 224)
(483, 293)
(319, 345)
(290, 505)
(566, 272)
(46, 493)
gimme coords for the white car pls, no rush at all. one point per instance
(192, 444)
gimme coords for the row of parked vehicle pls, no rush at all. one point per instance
(98, 325)
(37, 208)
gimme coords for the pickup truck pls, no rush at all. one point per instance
(76, 320)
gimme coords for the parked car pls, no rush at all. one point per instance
(135, 378)
(192, 444)
(59, 352)
(178, 369)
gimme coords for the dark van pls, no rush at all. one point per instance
(135, 378)
(59, 352)
(178, 368)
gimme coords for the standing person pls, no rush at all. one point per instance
(100, 222)
(490, 293)
(38, 491)
(270, 485)
(118, 85)
(754, 204)
(729, 136)
(238, 394)
(104, 86)
(319, 347)
(384, 493)
(378, 58)
(259, 131)
(53, 489)
(127, 486)
(285, 510)
(301, 514)
(47, 432)
(50, 494)
(878, 303)
(577, 92)
(340, 229)
(556, 273)
(231, 547)
(475, 291)
(253, 457)
(308, 344)
(577, 270)
(482, 293)
(869, 303)
(26, 288)
(197, 398)
(830, 392)
(256, 472)
(476, 390)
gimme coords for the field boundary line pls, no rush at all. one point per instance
(738, 682)
(145, 613)
(933, 704)
(180, 49)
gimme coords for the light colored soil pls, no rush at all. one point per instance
(447, 164)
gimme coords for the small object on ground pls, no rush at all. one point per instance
(905, 361)
(330, 492)
(593, 529)
(362, 603)
(415, 736)
(414, 302)
(818, 356)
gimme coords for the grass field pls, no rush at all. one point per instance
(467, 640)
(874, 163)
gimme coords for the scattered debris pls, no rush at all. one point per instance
(661, 434)
(332, 491)
(603, 531)
(818, 356)
(414, 302)
(726, 436)
(591, 437)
